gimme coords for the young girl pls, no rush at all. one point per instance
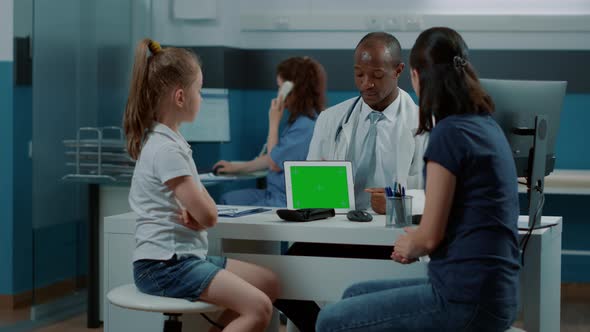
(469, 225)
(174, 209)
(304, 103)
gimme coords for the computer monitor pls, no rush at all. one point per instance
(517, 103)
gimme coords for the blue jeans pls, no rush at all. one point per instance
(181, 277)
(409, 305)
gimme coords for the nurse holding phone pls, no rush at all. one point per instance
(302, 85)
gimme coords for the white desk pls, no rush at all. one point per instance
(324, 279)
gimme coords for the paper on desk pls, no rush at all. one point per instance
(212, 177)
(234, 211)
(418, 200)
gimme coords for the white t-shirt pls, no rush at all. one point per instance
(159, 233)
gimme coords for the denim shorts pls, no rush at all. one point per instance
(183, 277)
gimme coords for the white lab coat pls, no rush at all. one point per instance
(404, 160)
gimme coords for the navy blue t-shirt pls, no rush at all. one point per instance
(478, 260)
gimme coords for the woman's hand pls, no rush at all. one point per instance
(275, 113)
(402, 260)
(190, 222)
(226, 167)
(404, 251)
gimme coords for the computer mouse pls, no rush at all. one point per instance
(359, 215)
(216, 170)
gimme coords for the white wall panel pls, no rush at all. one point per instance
(6, 30)
(332, 24)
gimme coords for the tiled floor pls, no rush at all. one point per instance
(9, 317)
(76, 324)
(575, 313)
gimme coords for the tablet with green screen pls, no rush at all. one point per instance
(319, 184)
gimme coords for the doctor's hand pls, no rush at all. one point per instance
(225, 167)
(190, 222)
(275, 113)
(377, 199)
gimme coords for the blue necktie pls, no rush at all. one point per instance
(366, 164)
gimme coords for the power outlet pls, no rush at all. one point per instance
(282, 23)
(413, 23)
(373, 23)
(392, 24)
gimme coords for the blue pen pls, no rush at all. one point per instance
(403, 192)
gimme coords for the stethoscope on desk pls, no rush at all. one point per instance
(348, 114)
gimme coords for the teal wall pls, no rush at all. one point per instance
(67, 257)
(6, 178)
(62, 261)
(16, 236)
(571, 149)
(22, 190)
(573, 209)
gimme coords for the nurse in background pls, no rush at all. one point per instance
(305, 101)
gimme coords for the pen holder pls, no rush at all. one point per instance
(398, 211)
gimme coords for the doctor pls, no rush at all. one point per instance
(376, 132)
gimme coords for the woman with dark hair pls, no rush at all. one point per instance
(469, 225)
(306, 99)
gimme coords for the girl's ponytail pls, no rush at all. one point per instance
(139, 115)
(154, 76)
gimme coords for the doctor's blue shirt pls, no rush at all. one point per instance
(293, 145)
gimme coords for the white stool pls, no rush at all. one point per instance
(129, 297)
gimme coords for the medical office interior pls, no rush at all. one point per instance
(65, 65)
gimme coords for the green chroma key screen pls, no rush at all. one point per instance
(319, 187)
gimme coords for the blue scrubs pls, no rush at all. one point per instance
(293, 145)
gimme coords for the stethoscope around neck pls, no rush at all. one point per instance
(348, 114)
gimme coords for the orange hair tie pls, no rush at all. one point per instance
(154, 47)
